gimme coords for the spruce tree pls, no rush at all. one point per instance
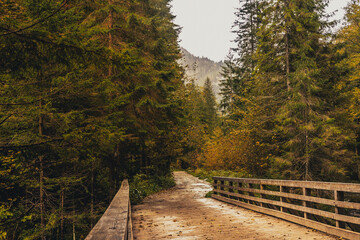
(290, 76)
(210, 106)
(240, 65)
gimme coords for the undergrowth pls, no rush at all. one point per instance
(208, 175)
(142, 186)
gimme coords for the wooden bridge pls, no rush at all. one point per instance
(325, 206)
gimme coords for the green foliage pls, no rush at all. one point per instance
(209, 194)
(86, 96)
(290, 94)
(238, 72)
(209, 107)
(208, 175)
(198, 121)
(91, 93)
(143, 185)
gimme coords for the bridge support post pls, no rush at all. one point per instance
(339, 196)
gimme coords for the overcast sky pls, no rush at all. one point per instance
(206, 25)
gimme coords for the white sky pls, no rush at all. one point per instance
(206, 25)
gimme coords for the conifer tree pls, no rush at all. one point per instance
(240, 65)
(74, 121)
(210, 106)
(348, 87)
(291, 58)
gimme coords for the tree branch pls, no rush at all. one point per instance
(6, 118)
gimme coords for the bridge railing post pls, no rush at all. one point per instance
(307, 192)
(339, 196)
(283, 199)
(215, 186)
(222, 182)
(231, 190)
(262, 195)
(251, 193)
(241, 185)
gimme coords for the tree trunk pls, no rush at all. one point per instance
(73, 227)
(92, 197)
(110, 26)
(287, 49)
(307, 145)
(307, 157)
(62, 214)
(112, 183)
(252, 37)
(42, 198)
(15, 230)
(41, 180)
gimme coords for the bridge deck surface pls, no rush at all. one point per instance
(184, 213)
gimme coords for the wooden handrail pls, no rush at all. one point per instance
(332, 186)
(318, 205)
(116, 221)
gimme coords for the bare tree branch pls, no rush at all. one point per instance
(6, 118)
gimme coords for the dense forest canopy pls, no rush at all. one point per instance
(290, 91)
(91, 92)
(87, 99)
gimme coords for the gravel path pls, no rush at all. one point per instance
(184, 213)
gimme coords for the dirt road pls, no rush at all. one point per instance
(184, 213)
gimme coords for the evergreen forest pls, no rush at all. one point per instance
(92, 92)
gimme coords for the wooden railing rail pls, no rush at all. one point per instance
(116, 221)
(330, 207)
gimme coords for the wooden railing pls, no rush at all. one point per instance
(329, 207)
(116, 221)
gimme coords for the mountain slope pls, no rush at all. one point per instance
(200, 68)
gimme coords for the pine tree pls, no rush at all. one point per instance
(240, 65)
(229, 85)
(210, 106)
